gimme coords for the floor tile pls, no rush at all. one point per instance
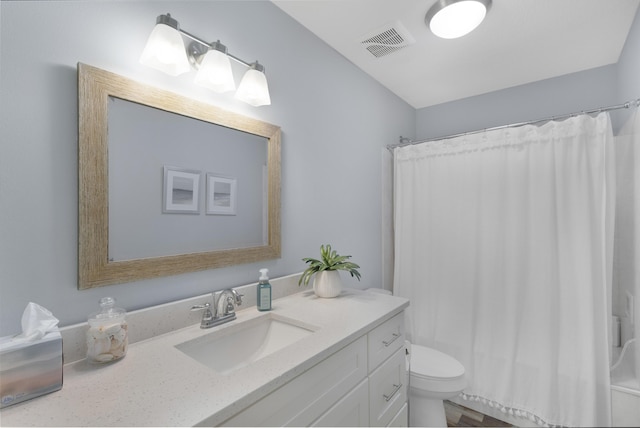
(460, 416)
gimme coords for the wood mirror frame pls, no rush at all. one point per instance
(95, 86)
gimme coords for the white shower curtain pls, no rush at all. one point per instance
(501, 247)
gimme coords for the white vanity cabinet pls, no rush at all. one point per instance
(348, 372)
(363, 384)
(387, 390)
(387, 374)
(308, 396)
(352, 410)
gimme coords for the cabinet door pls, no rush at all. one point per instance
(351, 411)
(387, 390)
(385, 339)
(402, 418)
(308, 396)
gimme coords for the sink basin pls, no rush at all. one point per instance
(245, 342)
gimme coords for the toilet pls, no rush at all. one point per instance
(433, 376)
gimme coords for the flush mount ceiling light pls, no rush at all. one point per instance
(450, 19)
(165, 51)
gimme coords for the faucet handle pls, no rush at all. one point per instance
(237, 296)
(227, 301)
(201, 307)
(207, 315)
(229, 306)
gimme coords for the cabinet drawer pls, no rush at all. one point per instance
(351, 411)
(387, 390)
(385, 339)
(306, 397)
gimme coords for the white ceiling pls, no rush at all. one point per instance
(520, 41)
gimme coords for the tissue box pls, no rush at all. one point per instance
(30, 369)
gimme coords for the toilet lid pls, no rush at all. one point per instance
(428, 362)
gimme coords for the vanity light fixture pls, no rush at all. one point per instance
(250, 89)
(451, 19)
(165, 51)
(215, 69)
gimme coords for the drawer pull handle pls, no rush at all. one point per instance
(395, 390)
(393, 339)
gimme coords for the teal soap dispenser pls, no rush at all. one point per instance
(264, 291)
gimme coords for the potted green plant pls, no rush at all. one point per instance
(327, 281)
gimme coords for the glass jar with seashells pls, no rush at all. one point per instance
(107, 337)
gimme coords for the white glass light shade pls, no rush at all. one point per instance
(215, 72)
(458, 19)
(165, 51)
(253, 89)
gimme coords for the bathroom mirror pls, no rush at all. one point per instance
(169, 185)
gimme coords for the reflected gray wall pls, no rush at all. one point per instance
(142, 140)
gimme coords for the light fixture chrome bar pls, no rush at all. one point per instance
(208, 45)
(192, 37)
(196, 50)
(404, 141)
(168, 20)
(235, 58)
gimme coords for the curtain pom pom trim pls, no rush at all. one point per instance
(521, 413)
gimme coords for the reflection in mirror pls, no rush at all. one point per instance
(142, 142)
(169, 185)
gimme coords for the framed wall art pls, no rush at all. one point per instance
(221, 194)
(181, 191)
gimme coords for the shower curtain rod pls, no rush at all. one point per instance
(404, 141)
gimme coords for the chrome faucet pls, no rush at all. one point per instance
(228, 300)
(224, 308)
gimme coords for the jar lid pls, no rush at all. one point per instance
(107, 310)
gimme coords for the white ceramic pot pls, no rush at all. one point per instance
(327, 283)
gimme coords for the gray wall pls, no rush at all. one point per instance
(565, 94)
(590, 89)
(629, 64)
(608, 85)
(335, 122)
(626, 266)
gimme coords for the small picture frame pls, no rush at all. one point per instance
(221, 194)
(181, 191)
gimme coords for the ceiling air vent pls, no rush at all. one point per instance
(386, 40)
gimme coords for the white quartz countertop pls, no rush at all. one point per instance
(158, 385)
